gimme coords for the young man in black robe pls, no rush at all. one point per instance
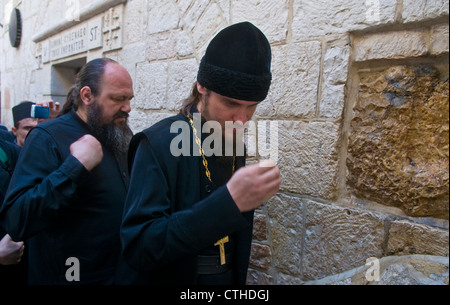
(13, 255)
(189, 218)
(67, 193)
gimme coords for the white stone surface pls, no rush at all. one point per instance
(296, 71)
(309, 157)
(314, 18)
(394, 45)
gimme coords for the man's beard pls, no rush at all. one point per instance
(117, 138)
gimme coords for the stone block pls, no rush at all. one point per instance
(184, 44)
(332, 101)
(192, 12)
(137, 121)
(161, 45)
(335, 73)
(135, 21)
(339, 239)
(261, 256)
(181, 77)
(207, 26)
(225, 6)
(296, 71)
(439, 40)
(393, 45)
(418, 10)
(141, 120)
(394, 271)
(407, 238)
(398, 147)
(314, 18)
(130, 55)
(151, 85)
(260, 227)
(308, 157)
(162, 16)
(286, 231)
(271, 16)
(258, 278)
(289, 280)
(183, 6)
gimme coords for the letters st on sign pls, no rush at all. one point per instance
(104, 31)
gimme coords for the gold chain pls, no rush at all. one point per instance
(225, 240)
(202, 153)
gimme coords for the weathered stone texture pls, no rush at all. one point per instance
(255, 277)
(260, 227)
(308, 157)
(439, 40)
(151, 85)
(399, 143)
(134, 21)
(317, 18)
(296, 73)
(338, 239)
(406, 238)
(158, 84)
(335, 73)
(261, 256)
(395, 271)
(286, 226)
(277, 11)
(395, 45)
(162, 16)
(414, 10)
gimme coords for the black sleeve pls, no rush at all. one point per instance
(41, 185)
(11, 151)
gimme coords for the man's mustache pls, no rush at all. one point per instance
(122, 114)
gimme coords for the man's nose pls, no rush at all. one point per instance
(126, 107)
(241, 116)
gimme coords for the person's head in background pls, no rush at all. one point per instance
(23, 122)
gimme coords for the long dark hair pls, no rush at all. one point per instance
(89, 76)
(191, 101)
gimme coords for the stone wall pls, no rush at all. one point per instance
(360, 94)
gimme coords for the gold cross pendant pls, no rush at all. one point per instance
(221, 243)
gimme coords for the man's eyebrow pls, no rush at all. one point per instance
(122, 96)
(228, 100)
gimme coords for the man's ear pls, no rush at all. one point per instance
(14, 131)
(86, 96)
(202, 90)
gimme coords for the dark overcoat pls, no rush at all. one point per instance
(173, 212)
(63, 211)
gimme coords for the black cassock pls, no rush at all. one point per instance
(174, 213)
(63, 211)
(16, 274)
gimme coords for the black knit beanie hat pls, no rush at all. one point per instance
(22, 111)
(237, 64)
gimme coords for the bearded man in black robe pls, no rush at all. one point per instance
(189, 213)
(68, 190)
